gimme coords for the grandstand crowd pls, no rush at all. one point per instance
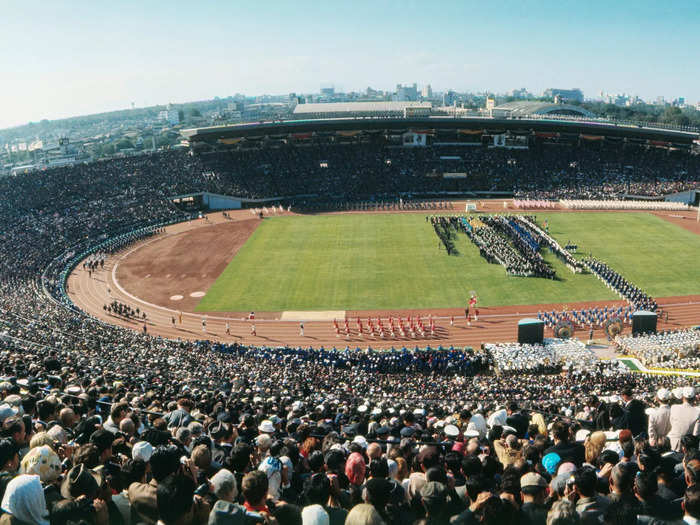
(674, 349)
(105, 425)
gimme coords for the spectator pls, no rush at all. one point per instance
(533, 489)
(23, 502)
(177, 503)
(9, 462)
(255, 492)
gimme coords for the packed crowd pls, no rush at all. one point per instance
(563, 253)
(89, 445)
(494, 248)
(512, 244)
(349, 171)
(551, 357)
(674, 349)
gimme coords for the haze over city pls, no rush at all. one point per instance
(65, 59)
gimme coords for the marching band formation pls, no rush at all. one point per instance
(388, 328)
(589, 317)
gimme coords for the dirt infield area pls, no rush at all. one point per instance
(168, 269)
(167, 275)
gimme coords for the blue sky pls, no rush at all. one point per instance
(62, 58)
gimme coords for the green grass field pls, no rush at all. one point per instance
(392, 261)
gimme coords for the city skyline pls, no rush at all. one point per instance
(70, 59)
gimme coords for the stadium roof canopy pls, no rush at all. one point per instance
(529, 107)
(339, 109)
(487, 125)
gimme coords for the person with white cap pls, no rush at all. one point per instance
(266, 427)
(452, 432)
(660, 418)
(142, 450)
(683, 418)
(478, 423)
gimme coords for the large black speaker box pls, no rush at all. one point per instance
(530, 331)
(643, 322)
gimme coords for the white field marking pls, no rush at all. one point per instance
(322, 315)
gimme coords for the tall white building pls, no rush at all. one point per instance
(171, 115)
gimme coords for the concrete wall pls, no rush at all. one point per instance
(220, 202)
(687, 197)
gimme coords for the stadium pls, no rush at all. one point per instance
(328, 187)
(391, 279)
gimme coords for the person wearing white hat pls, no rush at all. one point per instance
(266, 427)
(660, 418)
(360, 440)
(497, 418)
(451, 431)
(314, 515)
(478, 423)
(471, 433)
(683, 419)
(142, 450)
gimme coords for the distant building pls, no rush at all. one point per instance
(295, 99)
(620, 99)
(520, 94)
(406, 93)
(170, 115)
(566, 95)
(525, 108)
(490, 103)
(448, 98)
(679, 102)
(427, 92)
(362, 109)
(327, 92)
